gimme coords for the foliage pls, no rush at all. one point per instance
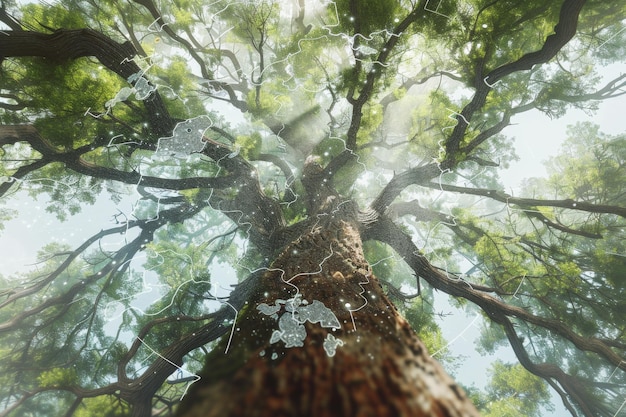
(236, 125)
(513, 392)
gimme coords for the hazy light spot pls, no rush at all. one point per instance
(317, 312)
(267, 309)
(291, 328)
(186, 137)
(331, 343)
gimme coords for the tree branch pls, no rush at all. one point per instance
(564, 32)
(148, 227)
(140, 391)
(572, 386)
(497, 310)
(286, 170)
(73, 160)
(399, 182)
(530, 202)
(373, 75)
(156, 14)
(65, 45)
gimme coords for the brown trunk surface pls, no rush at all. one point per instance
(381, 369)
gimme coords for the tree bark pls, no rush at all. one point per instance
(378, 366)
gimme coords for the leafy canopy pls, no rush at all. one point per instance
(227, 127)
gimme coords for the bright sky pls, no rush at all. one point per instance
(537, 137)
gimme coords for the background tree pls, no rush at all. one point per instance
(274, 138)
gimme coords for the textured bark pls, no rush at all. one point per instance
(382, 368)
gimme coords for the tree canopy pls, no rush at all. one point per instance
(223, 130)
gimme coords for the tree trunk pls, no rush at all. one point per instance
(320, 338)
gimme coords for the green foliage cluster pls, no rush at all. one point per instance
(513, 392)
(366, 18)
(57, 377)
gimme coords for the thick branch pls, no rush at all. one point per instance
(563, 32)
(373, 75)
(250, 205)
(139, 392)
(65, 45)
(574, 387)
(74, 161)
(531, 202)
(9, 20)
(498, 311)
(398, 183)
(21, 172)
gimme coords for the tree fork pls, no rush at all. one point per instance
(369, 362)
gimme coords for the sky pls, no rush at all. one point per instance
(537, 137)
